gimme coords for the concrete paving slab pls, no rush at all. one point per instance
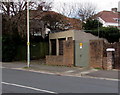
(103, 73)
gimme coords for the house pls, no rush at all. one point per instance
(38, 28)
(108, 18)
(46, 21)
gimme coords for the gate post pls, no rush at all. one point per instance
(110, 58)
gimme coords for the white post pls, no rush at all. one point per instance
(28, 39)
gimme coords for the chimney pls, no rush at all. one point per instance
(114, 10)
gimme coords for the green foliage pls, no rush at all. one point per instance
(98, 68)
(15, 48)
(37, 51)
(9, 47)
(92, 24)
(112, 34)
(10, 39)
(14, 45)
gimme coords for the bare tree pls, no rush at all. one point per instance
(15, 12)
(12, 8)
(76, 10)
(45, 5)
(67, 9)
(86, 10)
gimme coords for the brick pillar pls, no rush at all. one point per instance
(109, 60)
(69, 53)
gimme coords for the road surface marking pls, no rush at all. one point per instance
(70, 71)
(37, 89)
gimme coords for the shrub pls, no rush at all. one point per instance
(10, 43)
(8, 48)
(91, 24)
(112, 34)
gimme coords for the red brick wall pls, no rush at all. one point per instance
(98, 54)
(117, 56)
(54, 60)
(68, 55)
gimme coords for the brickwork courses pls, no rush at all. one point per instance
(67, 59)
(100, 58)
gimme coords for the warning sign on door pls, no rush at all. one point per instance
(81, 45)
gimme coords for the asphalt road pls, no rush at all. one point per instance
(18, 81)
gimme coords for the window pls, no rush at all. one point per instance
(117, 19)
(61, 41)
(53, 47)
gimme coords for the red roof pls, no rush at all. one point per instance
(108, 16)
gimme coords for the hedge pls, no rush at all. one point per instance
(37, 51)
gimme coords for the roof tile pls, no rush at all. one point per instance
(108, 16)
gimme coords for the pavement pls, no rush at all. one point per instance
(40, 67)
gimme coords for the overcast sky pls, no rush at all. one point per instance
(101, 4)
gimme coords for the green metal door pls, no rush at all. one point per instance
(81, 54)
